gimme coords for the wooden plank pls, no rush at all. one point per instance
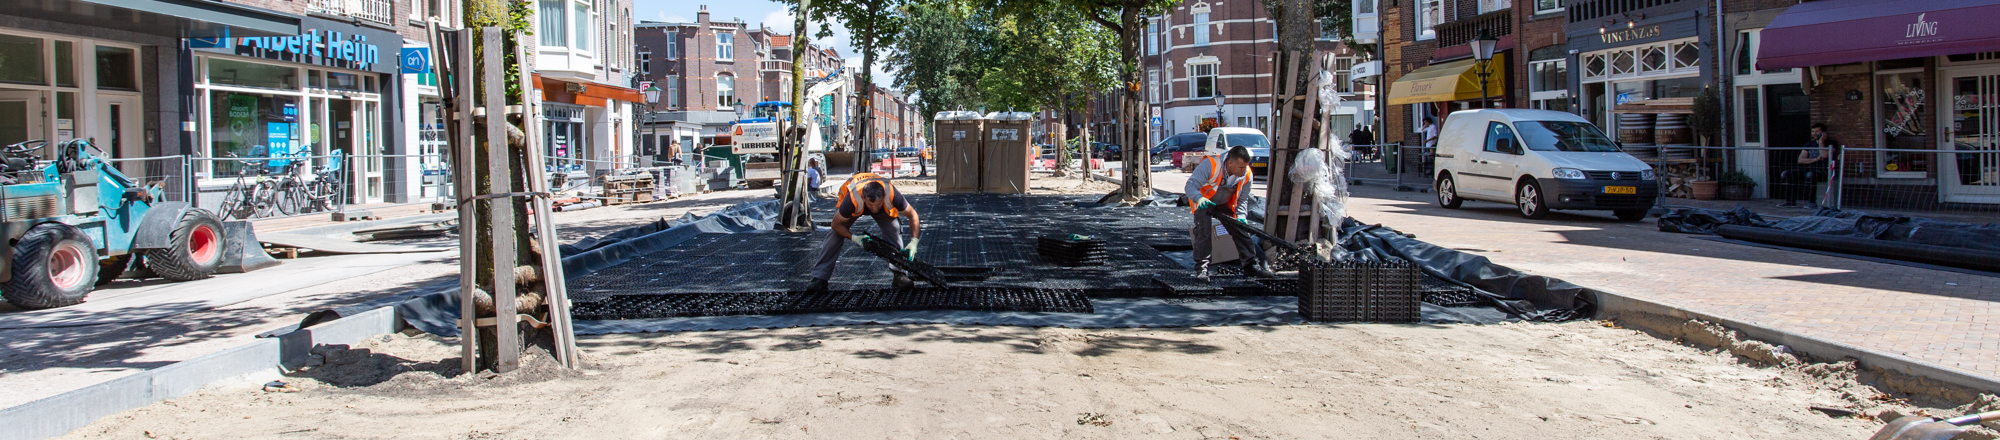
(1275, 191)
(553, 279)
(500, 212)
(451, 70)
(1301, 140)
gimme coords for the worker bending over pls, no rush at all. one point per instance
(1224, 188)
(870, 195)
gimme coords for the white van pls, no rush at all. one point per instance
(1221, 138)
(1539, 160)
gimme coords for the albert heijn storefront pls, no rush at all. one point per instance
(333, 87)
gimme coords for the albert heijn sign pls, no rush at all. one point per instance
(336, 45)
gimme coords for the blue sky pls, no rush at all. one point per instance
(772, 14)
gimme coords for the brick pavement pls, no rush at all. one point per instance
(1946, 318)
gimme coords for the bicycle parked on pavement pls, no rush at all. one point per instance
(260, 191)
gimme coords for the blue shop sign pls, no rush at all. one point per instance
(416, 60)
(324, 43)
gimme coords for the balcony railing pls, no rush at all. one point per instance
(1456, 32)
(377, 11)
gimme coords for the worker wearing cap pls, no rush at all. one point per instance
(1223, 187)
(873, 196)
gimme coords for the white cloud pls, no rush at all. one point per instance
(779, 20)
(673, 18)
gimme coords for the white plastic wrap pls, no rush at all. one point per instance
(1324, 179)
(1010, 116)
(957, 116)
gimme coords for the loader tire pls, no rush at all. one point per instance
(194, 250)
(54, 266)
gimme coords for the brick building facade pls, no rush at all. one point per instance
(1201, 57)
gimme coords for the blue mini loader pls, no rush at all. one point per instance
(75, 222)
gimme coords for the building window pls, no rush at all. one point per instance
(555, 23)
(725, 90)
(1201, 80)
(673, 92)
(1153, 45)
(583, 20)
(1429, 14)
(1746, 53)
(1201, 28)
(1153, 77)
(1903, 101)
(1343, 76)
(645, 63)
(673, 45)
(1486, 6)
(1548, 85)
(1752, 124)
(725, 45)
(1548, 6)
(116, 68)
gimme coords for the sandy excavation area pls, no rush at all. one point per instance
(1584, 380)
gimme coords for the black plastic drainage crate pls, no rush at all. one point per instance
(1348, 291)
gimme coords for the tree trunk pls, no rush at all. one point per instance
(795, 215)
(1138, 181)
(864, 125)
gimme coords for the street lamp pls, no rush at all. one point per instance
(1219, 120)
(1482, 50)
(653, 127)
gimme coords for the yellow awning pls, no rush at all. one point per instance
(1453, 81)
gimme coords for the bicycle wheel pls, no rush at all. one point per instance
(264, 198)
(326, 193)
(237, 204)
(289, 198)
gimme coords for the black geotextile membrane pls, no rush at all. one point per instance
(983, 299)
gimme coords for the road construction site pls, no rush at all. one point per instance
(1146, 360)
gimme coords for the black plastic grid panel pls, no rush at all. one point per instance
(874, 300)
(1348, 291)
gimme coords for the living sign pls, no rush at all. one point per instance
(326, 48)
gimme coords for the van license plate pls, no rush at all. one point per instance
(1621, 190)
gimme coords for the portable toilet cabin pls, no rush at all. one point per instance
(1004, 169)
(958, 153)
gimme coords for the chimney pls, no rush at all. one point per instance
(702, 17)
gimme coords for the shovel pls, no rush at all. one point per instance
(1926, 428)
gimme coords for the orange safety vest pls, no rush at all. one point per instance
(854, 185)
(1217, 173)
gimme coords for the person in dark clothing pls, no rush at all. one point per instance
(1363, 140)
(1814, 165)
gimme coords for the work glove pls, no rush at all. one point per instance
(1203, 203)
(858, 239)
(910, 250)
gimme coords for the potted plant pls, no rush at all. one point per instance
(1736, 185)
(1702, 188)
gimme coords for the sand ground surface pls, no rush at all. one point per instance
(1586, 379)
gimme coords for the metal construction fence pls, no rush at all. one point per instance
(1963, 185)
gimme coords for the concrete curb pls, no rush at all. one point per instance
(1611, 304)
(57, 415)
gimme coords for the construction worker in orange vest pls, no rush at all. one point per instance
(873, 196)
(1224, 187)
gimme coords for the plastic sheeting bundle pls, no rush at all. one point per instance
(1326, 179)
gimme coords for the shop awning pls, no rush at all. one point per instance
(584, 92)
(1846, 31)
(170, 18)
(1453, 81)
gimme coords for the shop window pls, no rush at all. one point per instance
(1429, 14)
(1201, 81)
(1686, 56)
(66, 124)
(1903, 100)
(1752, 109)
(65, 64)
(116, 68)
(315, 79)
(24, 59)
(244, 125)
(343, 81)
(1546, 76)
(725, 45)
(1652, 59)
(1594, 66)
(725, 90)
(1687, 87)
(1622, 63)
(238, 73)
(555, 23)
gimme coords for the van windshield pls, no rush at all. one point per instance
(1564, 136)
(1253, 141)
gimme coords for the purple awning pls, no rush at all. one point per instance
(1846, 31)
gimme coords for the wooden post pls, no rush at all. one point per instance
(500, 213)
(554, 283)
(454, 62)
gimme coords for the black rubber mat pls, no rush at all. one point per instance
(781, 303)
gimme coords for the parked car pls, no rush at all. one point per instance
(1172, 148)
(1221, 138)
(1105, 151)
(1539, 160)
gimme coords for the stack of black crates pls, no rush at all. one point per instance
(1350, 291)
(1072, 250)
